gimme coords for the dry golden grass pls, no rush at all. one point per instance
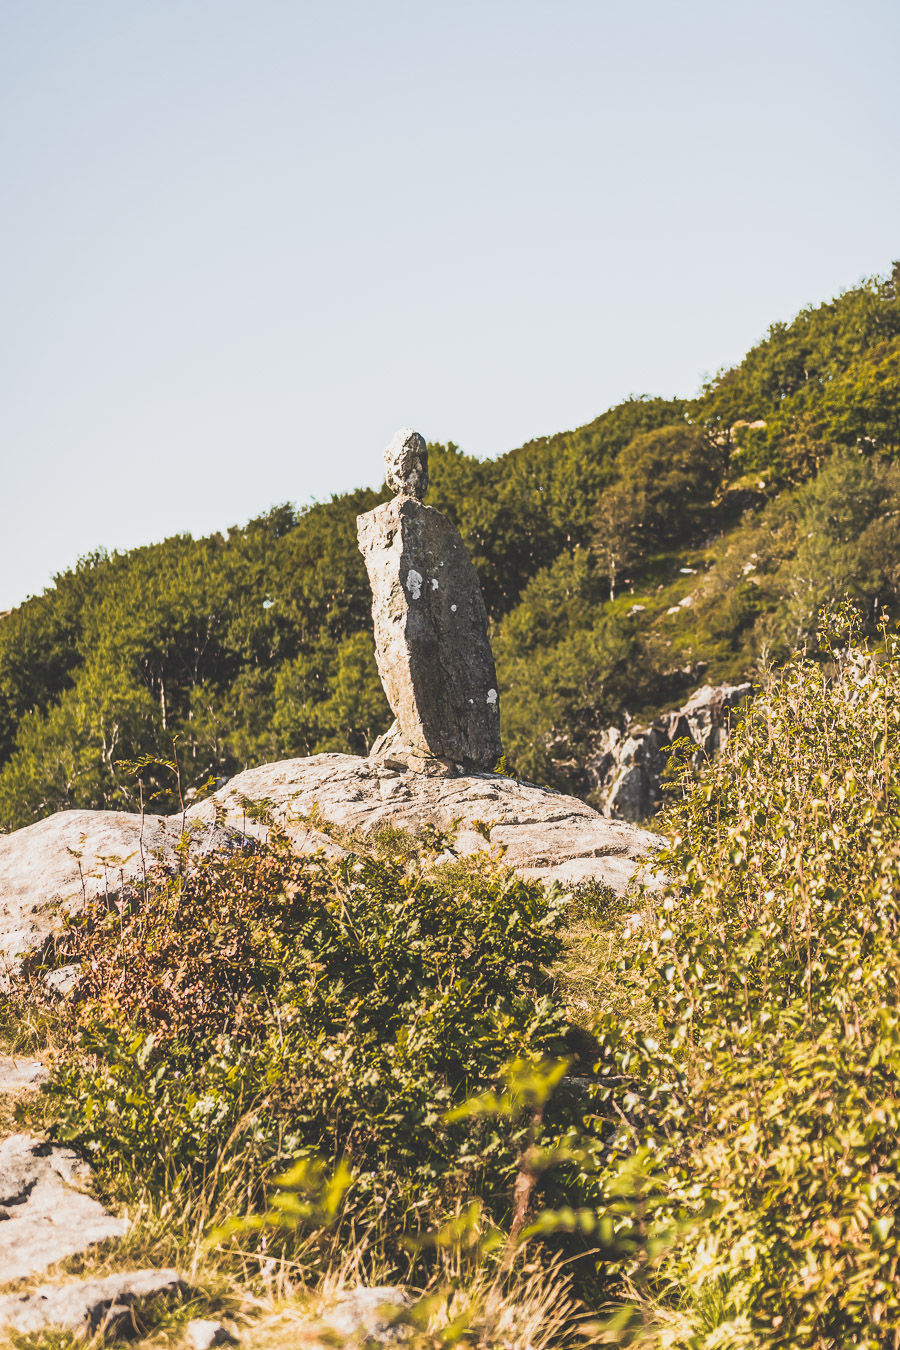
(589, 975)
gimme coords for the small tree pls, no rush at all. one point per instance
(616, 539)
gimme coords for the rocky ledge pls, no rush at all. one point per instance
(60, 863)
(626, 767)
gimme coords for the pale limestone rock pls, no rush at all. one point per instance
(431, 641)
(45, 1217)
(21, 1075)
(546, 835)
(59, 864)
(626, 770)
(406, 464)
(86, 1306)
(202, 1333)
(369, 1316)
(64, 980)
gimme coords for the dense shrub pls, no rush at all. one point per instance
(775, 968)
(290, 1005)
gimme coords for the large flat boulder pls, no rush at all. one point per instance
(45, 1212)
(545, 833)
(61, 863)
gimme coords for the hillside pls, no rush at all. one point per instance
(665, 542)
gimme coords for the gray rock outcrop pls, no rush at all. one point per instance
(44, 1211)
(546, 835)
(406, 464)
(86, 1306)
(626, 767)
(62, 863)
(431, 641)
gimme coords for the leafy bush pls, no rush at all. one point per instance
(289, 1005)
(775, 969)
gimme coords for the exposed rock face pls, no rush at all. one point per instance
(431, 642)
(546, 835)
(58, 864)
(45, 1217)
(86, 1306)
(627, 766)
(202, 1332)
(368, 1317)
(21, 1075)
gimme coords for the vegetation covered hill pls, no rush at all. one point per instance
(665, 542)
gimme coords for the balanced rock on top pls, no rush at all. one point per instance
(431, 641)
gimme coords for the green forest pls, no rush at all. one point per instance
(668, 543)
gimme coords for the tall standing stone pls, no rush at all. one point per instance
(431, 641)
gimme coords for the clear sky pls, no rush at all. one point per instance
(245, 240)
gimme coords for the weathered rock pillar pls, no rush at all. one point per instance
(431, 641)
